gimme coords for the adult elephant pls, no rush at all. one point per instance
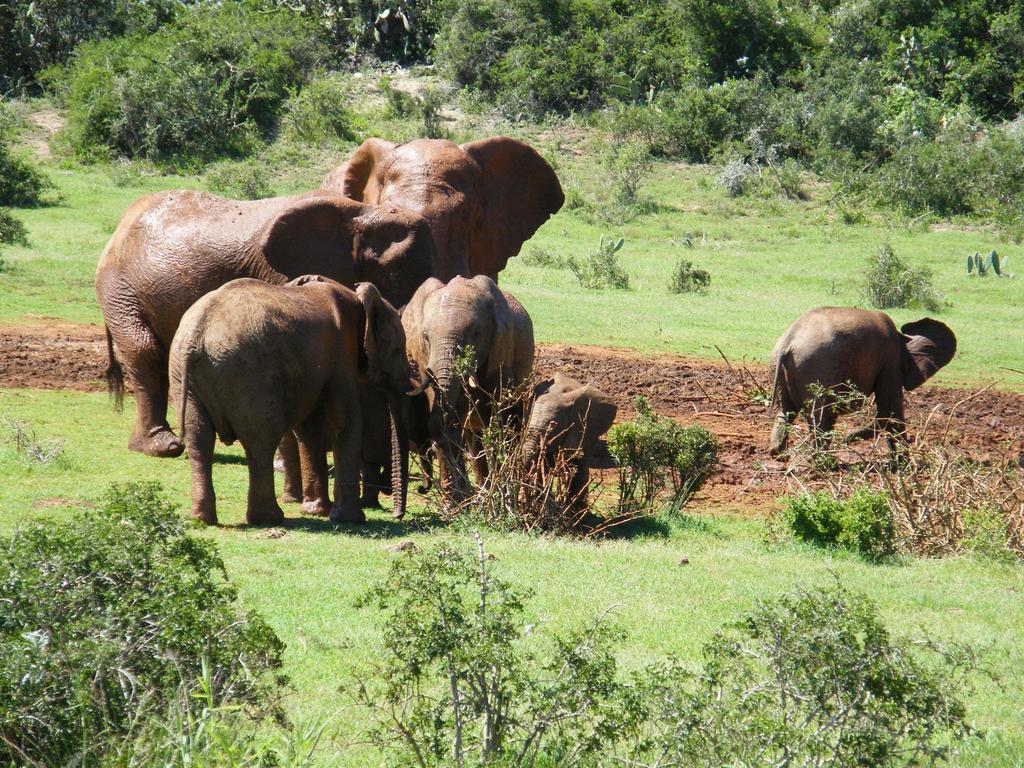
(483, 199)
(470, 340)
(831, 353)
(171, 248)
(251, 361)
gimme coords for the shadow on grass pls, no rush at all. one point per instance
(375, 527)
(664, 526)
(229, 458)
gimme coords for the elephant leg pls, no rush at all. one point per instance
(348, 442)
(289, 450)
(374, 483)
(312, 450)
(783, 424)
(262, 507)
(579, 486)
(889, 399)
(822, 419)
(147, 364)
(199, 436)
(476, 448)
(426, 469)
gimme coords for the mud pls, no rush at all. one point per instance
(720, 396)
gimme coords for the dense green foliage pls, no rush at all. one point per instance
(21, 183)
(861, 522)
(112, 618)
(889, 282)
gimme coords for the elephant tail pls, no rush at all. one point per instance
(114, 373)
(778, 380)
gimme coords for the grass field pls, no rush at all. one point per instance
(770, 260)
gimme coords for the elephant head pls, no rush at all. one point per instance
(387, 370)
(482, 200)
(928, 346)
(567, 417)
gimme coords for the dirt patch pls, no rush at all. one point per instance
(45, 123)
(711, 393)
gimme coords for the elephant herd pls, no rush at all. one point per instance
(289, 323)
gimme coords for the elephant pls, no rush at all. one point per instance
(483, 199)
(376, 451)
(844, 351)
(469, 340)
(171, 248)
(252, 360)
(566, 422)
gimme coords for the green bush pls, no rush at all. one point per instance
(655, 453)
(600, 268)
(245, 180)
(12, 230)
(212, 84)
(108, 620)
(21, 183)
(890, 282)
(320, 113)
(861, 522)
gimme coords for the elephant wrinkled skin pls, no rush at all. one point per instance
(171, 248)
(470, 340)
(251, 361)
(483, 199)
(845, 350)
(566, 422)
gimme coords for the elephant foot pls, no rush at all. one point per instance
(205, 513)
(347, 513)
(279, 465)
(370, 502)
(315, 507)
(287, 497)
(159, 442)
(265, 516)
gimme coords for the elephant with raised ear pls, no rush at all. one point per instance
(470, 341)
(171, 248)
(566, 422)
(483, 199)
(251, 361)
(831, 353)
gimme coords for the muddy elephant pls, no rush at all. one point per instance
(831, 353)
(566, 422)
(483, 199)
(469, 340)
(171, 248)
(377, 449)
(251, 361)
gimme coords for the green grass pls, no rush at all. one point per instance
(305, 583)
(770, 260)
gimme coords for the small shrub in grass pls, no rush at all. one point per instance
(107, 620)
(241, 180)
(12, 230)
(600, 268)
(320, 112)
(892, 283)
(655, 453)
(688, 279)
(862, 522)
(626, 163)
(21, 183)
(811, 678)
(539, 257)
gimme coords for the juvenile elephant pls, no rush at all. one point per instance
(566, 422)
(483, 199)
(469, 340)
(252, 361)
(171, 248)
(844, 350)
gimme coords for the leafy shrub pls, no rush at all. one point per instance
(654, 453)
(891, 282)
(600, 268)
(862, 522)
(21, 183)
(209, 85)
(12, 230)
(107, 620)
(243, 181)
(811, 678)
(688, 279)
(626, 163)
(737, 177)
(320, 112)
(538, 257)
(31, 449)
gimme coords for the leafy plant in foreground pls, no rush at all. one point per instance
(107, 622)
(861, 522)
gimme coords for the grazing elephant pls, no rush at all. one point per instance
(252, 361)
(171, 248)
(483, 199)
(469, 340)
(844, 351)
(566, 422)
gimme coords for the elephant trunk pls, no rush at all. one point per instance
(398, 411)
(531, 448)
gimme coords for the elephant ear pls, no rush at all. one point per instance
(511, 355)
(412, 321)
(362, 177)
(305, 280)
(313, 236)
(520, 192)
(928, 346)
(596, 411)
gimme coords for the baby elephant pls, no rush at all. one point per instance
(251, 361)
(832, 352)
(566, 421)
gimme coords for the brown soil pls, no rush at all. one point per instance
(711, 393)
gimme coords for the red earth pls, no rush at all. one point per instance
(718, 395)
